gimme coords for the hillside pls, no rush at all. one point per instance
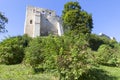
(21, 72)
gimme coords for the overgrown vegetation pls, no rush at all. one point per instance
(71, 57)
(12, 49)
(76, 55)
(22, 72)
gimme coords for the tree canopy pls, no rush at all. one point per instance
(3, 21)
(75, 19)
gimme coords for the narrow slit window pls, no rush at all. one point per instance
(50, 13)
(30, 21)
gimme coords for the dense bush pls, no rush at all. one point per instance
(95, 41)
(52, 46)
(116, 51)
(70, 55)
(25, 39)
(34, 52)
(42, 51)
(67, 54)
(96, 74)
(73, 60)
(12, 49)
(106, 55)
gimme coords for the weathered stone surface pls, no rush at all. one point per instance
(42, 22)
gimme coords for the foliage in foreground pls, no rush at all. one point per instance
(67, 54)
(22, 72)
(106, 56)
(12, 49)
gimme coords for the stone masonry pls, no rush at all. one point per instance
(42, 22)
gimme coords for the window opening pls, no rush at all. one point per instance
(33, 10)
(50, 13)
(30, 21)
(43, 12)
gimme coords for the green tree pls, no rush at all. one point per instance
(75, 19)
(3, 21)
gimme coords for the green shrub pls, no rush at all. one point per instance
(95, 42)
(69, 55)
(51, 49)
(72, 60)
(11, 51)
(43, 51)
(106, 55)
(116, 50)
(96, 74)
(25, 40)
(34, 52)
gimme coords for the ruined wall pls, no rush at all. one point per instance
(44, 22)
(29, 22)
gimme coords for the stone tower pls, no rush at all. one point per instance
(42, 22)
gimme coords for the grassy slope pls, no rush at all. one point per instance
(20, 72)
(112, 71)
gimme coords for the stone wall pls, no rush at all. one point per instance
(42, 22)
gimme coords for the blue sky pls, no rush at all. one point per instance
(106, 14)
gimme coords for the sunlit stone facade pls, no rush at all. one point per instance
(42, 22)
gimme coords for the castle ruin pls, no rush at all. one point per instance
(42, 22)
